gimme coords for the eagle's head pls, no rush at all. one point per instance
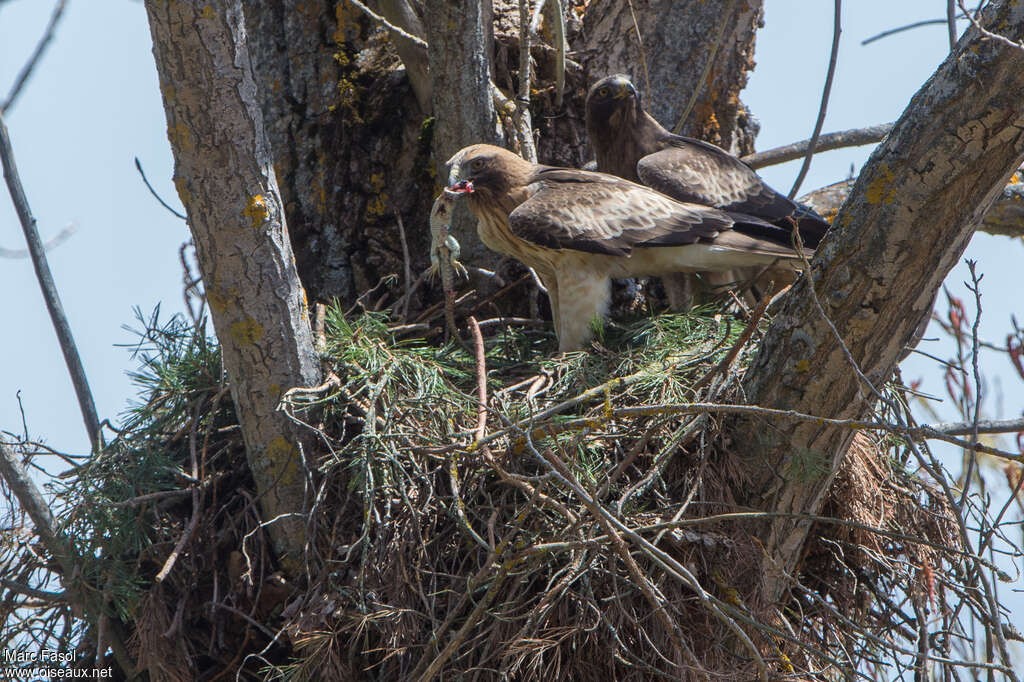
(484, 168)
(611, 102)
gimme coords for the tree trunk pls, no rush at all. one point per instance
(461, 43)
(226, 182)
(677, 42)
(352, 145)
(903, 227)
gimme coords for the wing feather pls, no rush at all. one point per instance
(599, 213)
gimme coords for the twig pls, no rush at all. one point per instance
(471, 621)
(972, 453)
(558, 29)
(836, 32)
(194, 521)
(406, 262)
(37, 54)
(138, 167)
(985, 32)
(900, 29)
(524, 129)
(49, 288)
(914, 432)
(50, 244)
(724, 20)
(985, 426)
(481, 380)
(388, 25)
(837, 140)
(951, 22)
(744, 336)
(643, 56)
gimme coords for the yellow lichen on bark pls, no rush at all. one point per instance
(219, 299)
(881, 188)
(256, 210)
(283, 456)
(246, 332)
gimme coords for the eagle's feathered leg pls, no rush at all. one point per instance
(583, 302)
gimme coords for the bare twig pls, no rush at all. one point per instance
(481, 380)
(194, 521)
(36, 56)
(900, 29)
(50, 244)
(558, 29)
(951, 22)
(46, 283)
(525, 125)
(825, 143)
(985, 32)
(983, 426)
(748, 331)
(826, 92)
(407, 264)
(388, 25)
(138, 167)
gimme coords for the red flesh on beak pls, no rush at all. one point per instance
(462, 187)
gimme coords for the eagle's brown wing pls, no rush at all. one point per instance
(692, 170)
(600, 213)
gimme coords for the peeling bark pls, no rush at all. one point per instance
(225, 180)
(904, 226)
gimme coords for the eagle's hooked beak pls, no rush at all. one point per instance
(455, 184)
(622, 88)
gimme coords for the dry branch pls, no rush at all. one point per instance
(969, 126)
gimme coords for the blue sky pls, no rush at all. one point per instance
(94, 105)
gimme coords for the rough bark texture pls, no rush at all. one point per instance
(226, 182)
(352, 145)
(677, 41)
(904, 226)
(461, 43)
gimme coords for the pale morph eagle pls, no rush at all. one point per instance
(579, 229)
(631, 144)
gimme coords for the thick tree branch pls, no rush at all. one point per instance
(837, 140)
(902, 229)
(463, 105)
(225, 179)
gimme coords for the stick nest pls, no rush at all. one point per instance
(587, 530)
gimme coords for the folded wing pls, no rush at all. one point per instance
(599, 213)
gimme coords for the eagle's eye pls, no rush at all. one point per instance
(603, 92)
(476, 164)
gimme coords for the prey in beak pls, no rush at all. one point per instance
(459, 187)
(456, 185)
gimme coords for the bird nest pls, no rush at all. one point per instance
(567, 518)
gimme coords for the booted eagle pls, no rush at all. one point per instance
(579, 229)
(628, 142)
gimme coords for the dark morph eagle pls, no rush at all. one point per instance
(579, 229)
